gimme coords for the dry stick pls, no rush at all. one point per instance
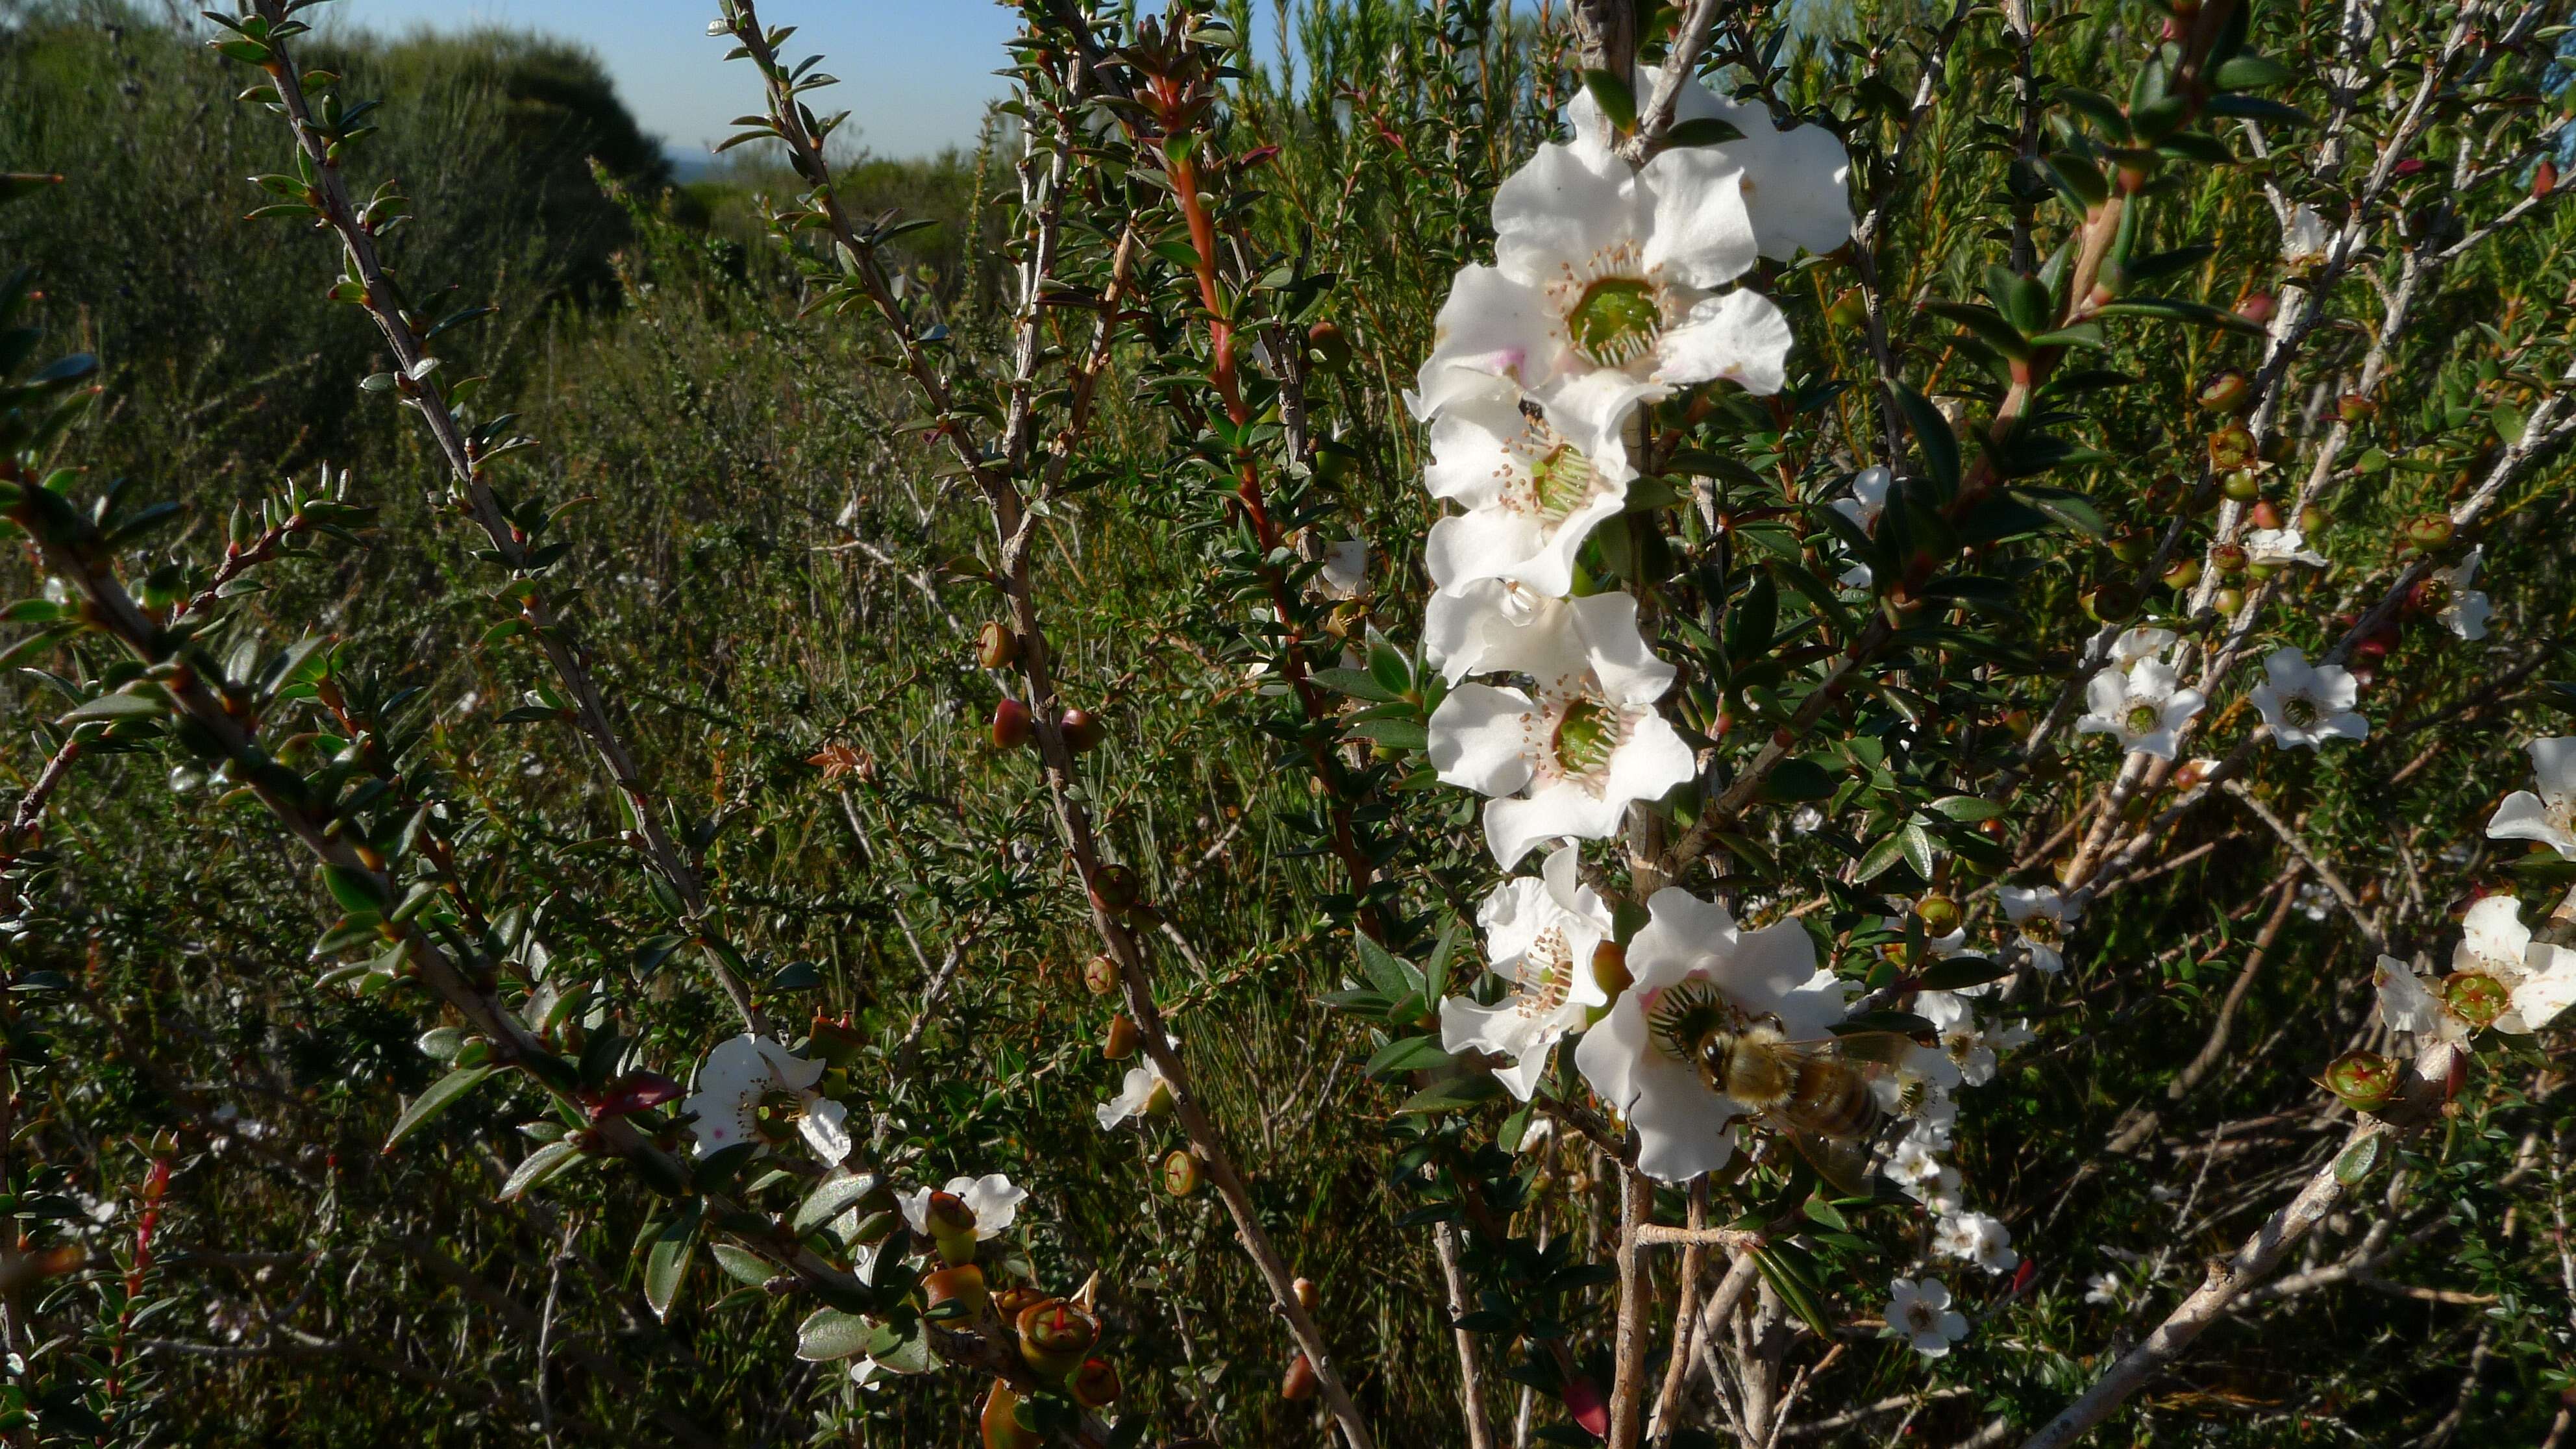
(474, 495)
(1471, 1382)
(1014, 527)
(1628, 1384)
(1657, 117)
(1686, 1318)
(2256, 1257)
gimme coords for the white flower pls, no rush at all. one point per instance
(2136, 646)
(2315, 901)
(1977, 1238)
(1943, 1194)
(2307, 706)
(2142, 707)
(991, 1198)
(2305, 238)
(2279, 548)
(1601, 293)
(2408, 1002)
(1932, 1121)
(1795, 182)
(1695, 971)
(869, 1374)
(1912, 1162)
(1144, 1090)
(1867, 501)
(1922, 1313)
(1567, 755)
(1961, 1041)
(2464, 609)
(2105, 1288)
(2043, 917)
(2534, 980)
(1540, 934)
(751, 1089)
(2549, 816)
(1532, 496)
(1344, 574)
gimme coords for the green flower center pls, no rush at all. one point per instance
(1615, 321)
(2300, 711)
(2475, 999)
(2143, 719)
(776, 1117)
(1585, 737)
(1561, 482)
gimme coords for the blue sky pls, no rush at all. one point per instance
(915, 74)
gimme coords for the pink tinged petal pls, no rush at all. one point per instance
(825, 1125)
(1741, 337)
(1702, 235)
(1490, 327)
(2549, 990)
(2522, 816)
(1478, 739)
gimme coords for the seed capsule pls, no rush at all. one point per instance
(2182, 573)
(1094, 1385)
(1082, 731)
(1309, 1297)
(1180, 1173)
(1939, 914)
(1055, 1336)
(996, 647)
(2352, 407)
(2430, 531)
(2366, 1081)
(2264, 515)
(1001, 1420)
(1012, 726)
(1100, 973)
(962, 1285)
(1298, 1384)
(2224, 392)
(1120, 1043)
(1330, 350)
(1610, 968)
(1114, 889)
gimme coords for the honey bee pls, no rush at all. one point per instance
(1820, 1095)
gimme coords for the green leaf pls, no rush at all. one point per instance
(1797, 781)
(1409, 1054)
(2066, 506)
(1453, 1094)
(537, 1166)
(1918, 847)
(1395, 734)
(356, 889)
(1940, 444)
(115, 707)
(2354, 1163)
(1611, 93)
(1959, 972)
(667, 1267)
(828, 1334)
(1968, 808)
(2245, 72)
(1389, 974)
(742, 1265)
(832, 1197)
(441, 1095)
(1703, 131)
(2177, 310)
(1357, 683)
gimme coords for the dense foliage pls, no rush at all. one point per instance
(788, 672)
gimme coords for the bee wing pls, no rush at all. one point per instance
(1846, 1162)
(1873, 1054)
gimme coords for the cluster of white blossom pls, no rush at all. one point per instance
(1614, 286)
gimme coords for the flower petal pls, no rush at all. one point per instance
(1741, 337)
(1478, 739)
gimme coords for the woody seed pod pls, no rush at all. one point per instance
(1001, 1420)
(1012, 726)
(995, 646)
(958, 1290)
(1298, 1384)
(1180, 1173)
(1120, 1043)
(1094, 1385)
(1055, 1336)
(2366, 1081)
(1100, 973)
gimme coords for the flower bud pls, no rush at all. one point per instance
(834, 1041)
(1001, 1420)
(2255, 307)
(2225, 392)
(1114, 889)
(1583, 1400)
(1081, 729)
(1180, 1173)
(2352, 407)
(2133, 546)
(1012, 726)
(1094, 1385)
(1120, 1043)
(1610, 968)
(2313, 519)
(1309, 1297)
(2227, 558)
(1330, 350)
(952, 1226)
(956, 1292)
(1298, 1384)
(2365, 1081)
(2544, 177)
(1100, 974)
(1939, 914)
(995, 646)
(2182, 573)
(1850, 309)
(2241, 485)
(1055, 1336)
(2228, 601)
(2430, 531)
(2265, 515)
